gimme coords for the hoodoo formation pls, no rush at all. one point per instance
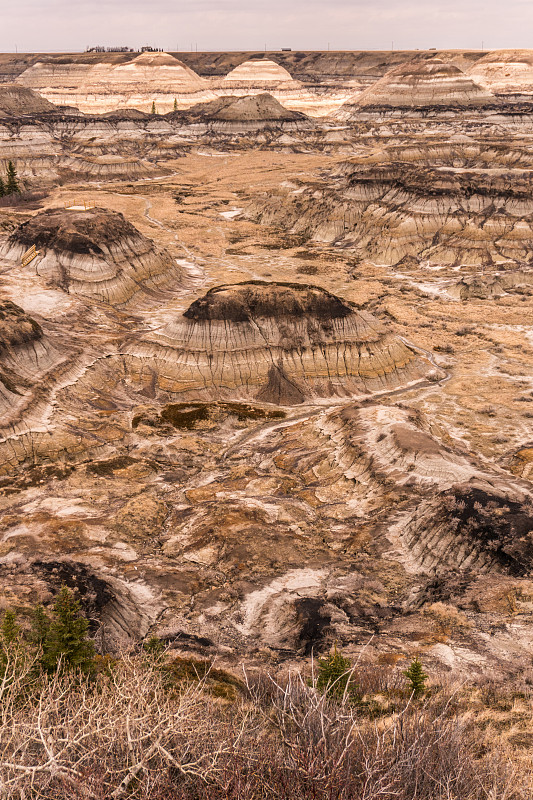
(277, 343)
(27, 360)
(469, 216)
(259, 71)
(95, 252)
(418, 84)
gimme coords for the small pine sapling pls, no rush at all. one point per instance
(153, 107)
(40, 625)
(66, 644)
(153, 647)
(335, 676)
(12, 184)
(2, 188)
(9, 630)
(175, 104)
(416, 678)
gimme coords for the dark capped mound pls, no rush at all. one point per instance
(276, 343)
(251, 108)
(96, 253)
(244, 301)
(474, 524)
(16, 327)
(83, 232)
(15, 99)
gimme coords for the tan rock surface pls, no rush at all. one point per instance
(430, 82)
(102, 87)
(233, 527)
(96, 253)
(276, 343)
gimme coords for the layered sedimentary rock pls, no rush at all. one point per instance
(260, 71)
(277, 343)
(419, 83)
(505, 72)
(473, 526)
(96, 253)
(387, 211)
(256, 108)
(485, 287)
(17, 100)
(102, 87)
(28, 360)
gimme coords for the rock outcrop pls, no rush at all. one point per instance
(419, 83)
(505, 72)
(96, 253)
(445, 214)
(103, 87)
(276, 343)
(473, 526)
(485, 287)
(248, 109)
(18, 100)
(28, 359)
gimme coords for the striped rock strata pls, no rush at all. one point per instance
(507, 72)
(96, 253)
(28, 360)
(449, 215)
(277, 343)
(101, 87)
(419, 84)
(16, 100)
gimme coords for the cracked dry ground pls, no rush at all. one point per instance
(393, 522)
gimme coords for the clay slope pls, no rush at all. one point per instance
(28, 359)
(508, 72)
(483, 287)
(387, 211)
(277, 343)
(260, 72)
(419, 84)
(96, 253)
(16, 100)
(104, 87)
(255, 108)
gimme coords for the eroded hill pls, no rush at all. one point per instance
(266, 384)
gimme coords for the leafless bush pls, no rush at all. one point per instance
(128, 735)
(29, 200)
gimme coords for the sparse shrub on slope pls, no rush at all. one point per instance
(127, 733)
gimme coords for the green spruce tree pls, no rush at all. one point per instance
(40, 625)
(66, 644)
(12, 184)
(335, 676)
(416, 678)
(175, 104)
(2, 188)
(9, 630)
(153, 107)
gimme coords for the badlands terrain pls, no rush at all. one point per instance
(267, 383)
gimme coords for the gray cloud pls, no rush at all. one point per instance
(251, 24)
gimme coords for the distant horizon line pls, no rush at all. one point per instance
(273, 50)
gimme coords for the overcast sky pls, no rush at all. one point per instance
(35, 25)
